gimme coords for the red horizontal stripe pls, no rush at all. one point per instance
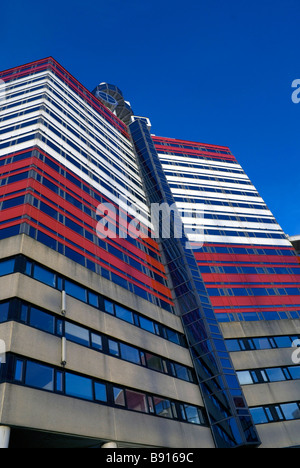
(258, 278)
(238, 301)
(202, 257)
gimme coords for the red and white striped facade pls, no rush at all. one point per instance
(248, 264)
(62, 153)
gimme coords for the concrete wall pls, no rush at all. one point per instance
(273, 435)
(34, 409)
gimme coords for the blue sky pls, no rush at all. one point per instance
(212, 71)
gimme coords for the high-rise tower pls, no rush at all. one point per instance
(108, 325)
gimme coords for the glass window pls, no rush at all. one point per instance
(75, 291)
(147, 325)
(262, 343)
(41, 320)
(162, 407)
(128, 353)
(96, 341)
(113, 348)
(124, 314)
(258, 415)
(119, 397)
(19, 371)
(77, 334)
(173, 336)
(100, 392)
(45, 276)
(7, 267)
(59, 382)
(244, 378)
(93, 300)
(109, 307)
(39, 376)
(275, 375)
(154, 362)
(192, 414)
(78, 386)
(295, 372)
(182, 372)
(4, 308)
(290, 411)
(283, 341)
(136, 401)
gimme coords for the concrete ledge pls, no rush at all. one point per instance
(29, 408)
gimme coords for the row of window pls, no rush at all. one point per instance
(190, 147)
(243, 270)
(239, 218)
(257, 316)
(22, 265)
(291, 291)
(115, 275)
(200, 157)
(207, 201)
(274, 374)
(88, 232)
(44, 377)
(248, 251)
(198, 176)
(35, 317)
(260, 343)
(208, 188)
(166, 163)
(276, 413)
(257, 234)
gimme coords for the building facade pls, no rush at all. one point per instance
(107, 326)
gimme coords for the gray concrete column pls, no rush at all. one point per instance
(4, 436)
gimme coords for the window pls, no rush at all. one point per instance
(119, 397)
(113, 347)
(162, 407)
(100, 392)
(147, 325)
(78, 386)
(182, 372)
(262, 343)
(191, 414)
(41, 320)
(283, 341)
(96, 341)
(93, 299)
(18, 376)
(258, 415)
(45, 276)
(275, 375)
(154, 362)
(39, 376)
(4, 308)
(75, 291)
(136, 401)
(290, 411)
(244, 378)
(77, 334)
(124, 314)
(130, 354)
(7, 267)
(109, 307)
(295, 372)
